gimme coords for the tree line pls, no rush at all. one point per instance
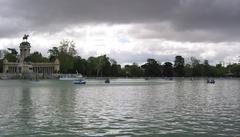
(103, 66)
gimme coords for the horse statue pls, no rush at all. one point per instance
(25, 37)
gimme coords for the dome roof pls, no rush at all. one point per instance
(25, 44)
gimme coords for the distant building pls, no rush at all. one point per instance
(22, 66)
(2, 53)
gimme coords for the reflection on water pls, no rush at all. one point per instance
(124, 108)
(25, 115)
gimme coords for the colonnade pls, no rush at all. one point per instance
(46, 70)
(12, 69)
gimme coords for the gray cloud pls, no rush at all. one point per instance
(50, 15)
(218, 20)
(193, 21)
(189, 20)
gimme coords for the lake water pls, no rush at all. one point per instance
(125, 107)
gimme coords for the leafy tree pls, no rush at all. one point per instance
(152, 68)
(65, 53)
(66, 62)
(36, 57)
(235, 69)
(67, 47)
(179, 66)
(133, 70)
(92, 66)
(212, 72)
(103, 65)
(115, 69)
(188, 70)
(1, 65)
(54, 52)
(209, 71)
(197, 68)
(80, 65)
(168, 69)
(195, 61)
(11, 57)
(206, 68)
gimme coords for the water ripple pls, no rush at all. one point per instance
(178, 108)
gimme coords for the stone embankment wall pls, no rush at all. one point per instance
(5, 76)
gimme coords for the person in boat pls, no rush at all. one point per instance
(212, 81)
(107, 80)
(80, 81)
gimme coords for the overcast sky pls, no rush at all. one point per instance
(127, 30)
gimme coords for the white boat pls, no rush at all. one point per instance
(80, 81)
(4, 77)
(70, 77)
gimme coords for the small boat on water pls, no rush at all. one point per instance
(212, 81)
(70, 77)
(4, 77)
(80, 81)
(107, 81)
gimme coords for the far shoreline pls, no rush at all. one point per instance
(145, 78)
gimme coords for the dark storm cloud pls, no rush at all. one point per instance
(217, 20)
(187, 20)
(197, 21)
(54, 14)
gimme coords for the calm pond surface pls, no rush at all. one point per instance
(125, 107)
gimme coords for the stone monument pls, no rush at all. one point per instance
(26, 69)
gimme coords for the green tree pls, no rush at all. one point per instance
(54, 52)
(92, 66)
(99, 66)
(67, 47)
(197, 68)
(1, 65)
(210, 71)
(66, 62)
(168, 69)
(188, 70)
(65, 53)
(105, 65)
(133, 70)
(11, 57)
(80, 65)
(36, 57)
(115, 69)
(235, 69)
(179, 66)
(152, 68)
